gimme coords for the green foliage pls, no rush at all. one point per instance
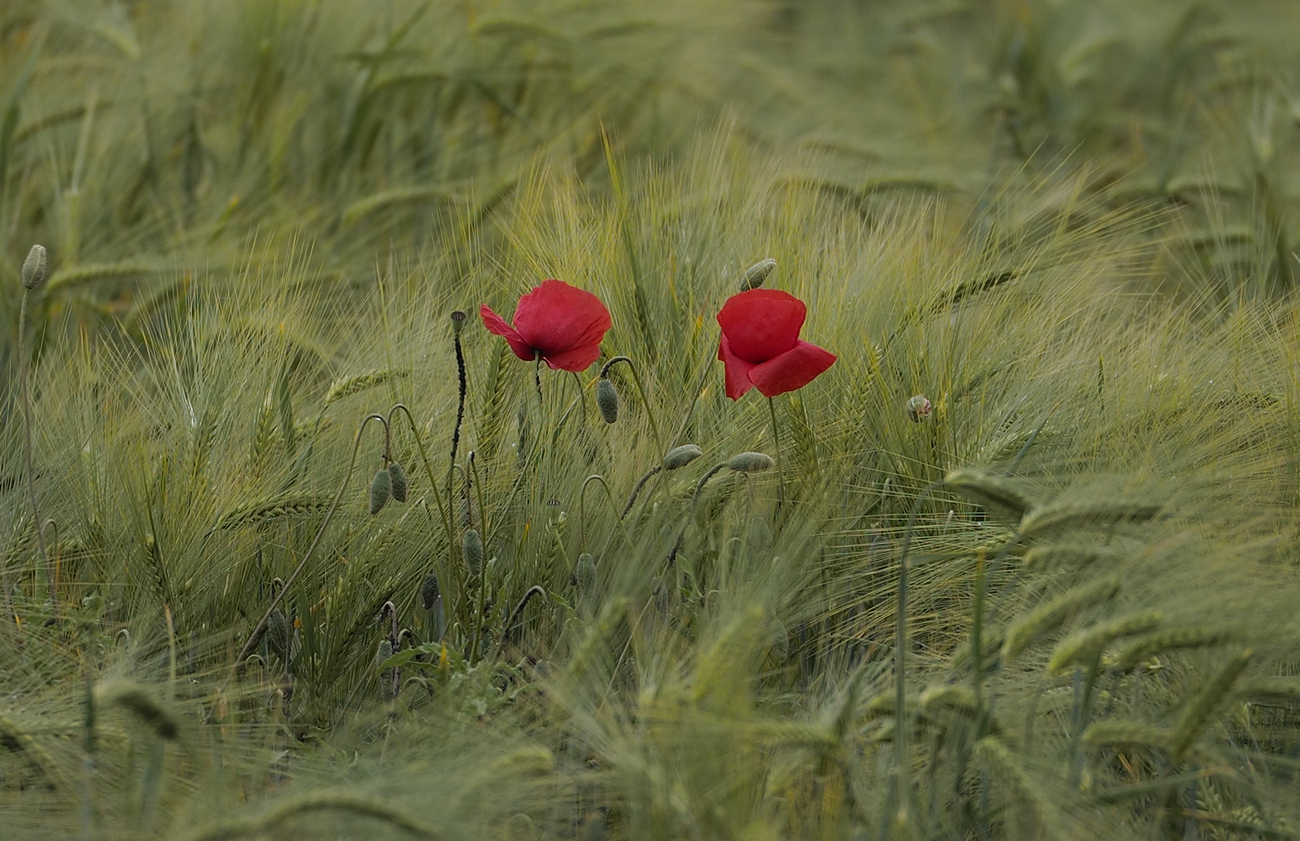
(258, 217)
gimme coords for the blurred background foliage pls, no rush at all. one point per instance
(1071, 224)
(141, 139)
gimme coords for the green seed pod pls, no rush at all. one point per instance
(457, 322)
(607, 400)
(757, 274)
(430, 591)
(397, 478)
(471, 551)
(584, 574)
(381, 487)
(750, 462)
(679, 457)
(34, 267)
(277, 634)
(384, 651)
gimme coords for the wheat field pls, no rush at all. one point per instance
(294, 546)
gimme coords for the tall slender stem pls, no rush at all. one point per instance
(320, 532)
(902, 724)
(24, 375)
(780, 460)
(462, 385)
(640, 390)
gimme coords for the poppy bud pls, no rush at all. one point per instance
(384, 651)
(607, 400)
(277, 634)
(457, 322)
(397, 478)
(430, 591)
(751, 462)
(681, 456)
(381, 487)
(471, 551)
(584, 574)
(756, 274)
(919, 408)
(34, 267)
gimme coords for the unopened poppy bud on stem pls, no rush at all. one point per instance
(750, 462)
(430, 591)
(34, 267)
(607, 400)
(757, 274)
(384, 652)
(584, 574)
(381, 488)
(679, 457)
(472, 552)
(397, 481)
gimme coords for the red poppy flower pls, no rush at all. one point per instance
(761, 346)
(561, 322)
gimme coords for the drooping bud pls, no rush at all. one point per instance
(757, 274)
(277, 634)
(430, 591)
(471, 551)
(397, 479)
(381, 488)
(457, 322)
(607, 400)
(679, 457)
(919, 408)
(34, 267)
(584, 573)
(750, 462)
(384, 651)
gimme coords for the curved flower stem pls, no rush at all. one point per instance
(302, 564)
(24, 375)
(444, 513)
(695, 500)
(780, 460)
(640, 390)
(582, 511)
(649, 474)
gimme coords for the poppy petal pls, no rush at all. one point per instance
(762, 324)
(574, 360)
(737, 370)
(791, 370)
(496, 324)
(557, 318)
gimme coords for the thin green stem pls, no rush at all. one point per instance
(640, 390)
(260, 628)
(636, 490)
(780, 460)
(24, 375)
(901, 721)
(428, 469)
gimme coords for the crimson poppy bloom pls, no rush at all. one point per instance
(761, 347)
(561, 322)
